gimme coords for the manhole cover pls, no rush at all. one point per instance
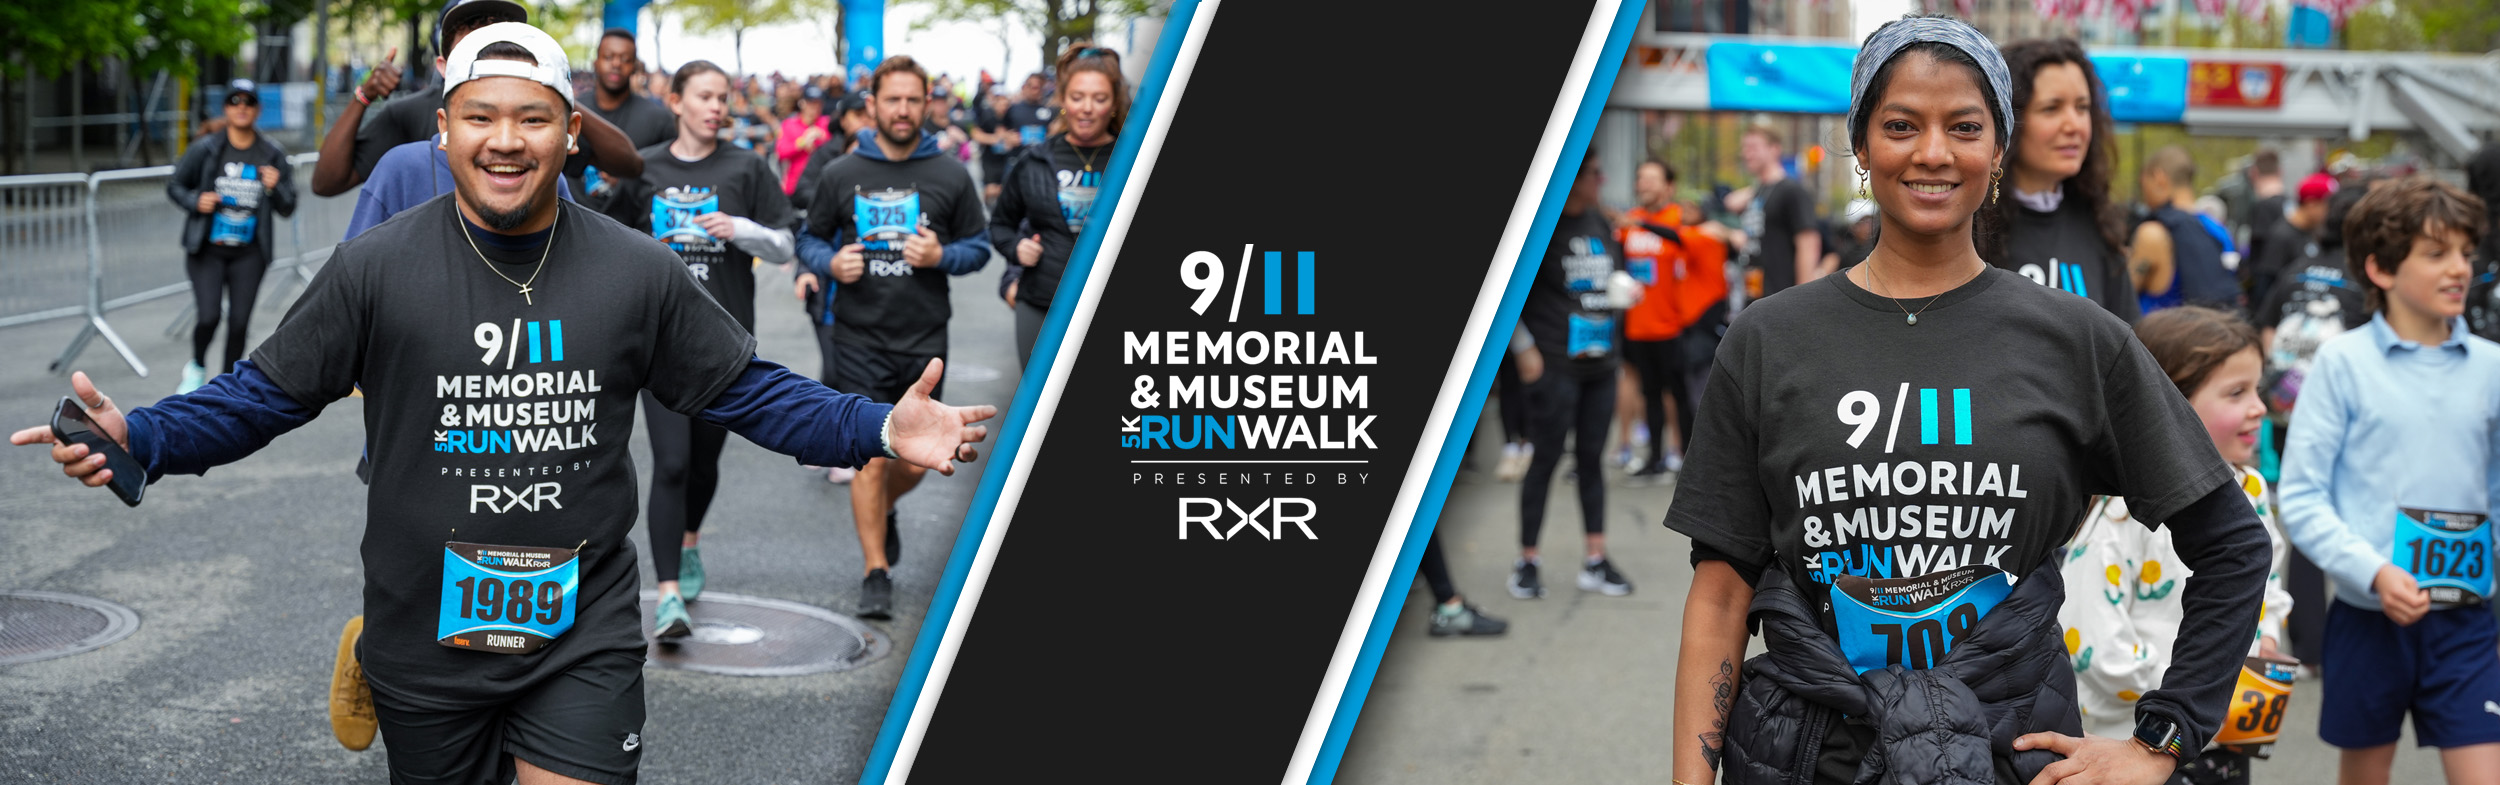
(969, 373)
(737, 635)
(41, 625)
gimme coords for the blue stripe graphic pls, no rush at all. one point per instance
(1028, 392)
(1302, 279)
(1275, 282)
(533, 343)
(1471, 406)
(555, 340)
(1961, 415)
(1927, 415)
(2081, 289)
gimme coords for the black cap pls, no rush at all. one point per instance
(458, 13)
(813, 93)
(857, 101)
(242, 91)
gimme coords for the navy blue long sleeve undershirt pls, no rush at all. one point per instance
(238, 413)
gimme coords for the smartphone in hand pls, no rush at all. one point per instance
(70, 425)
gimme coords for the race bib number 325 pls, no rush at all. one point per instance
(507, 599)
(2448, 554)
(1912, 622)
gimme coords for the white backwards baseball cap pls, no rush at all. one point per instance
(551, 70)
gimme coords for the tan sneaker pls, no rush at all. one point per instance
(351, 700)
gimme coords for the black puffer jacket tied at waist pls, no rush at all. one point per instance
(1952, 724)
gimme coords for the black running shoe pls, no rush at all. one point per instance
(1523, 581)
(1464, 620)
(1603, 579)
(876, 596)
(893, 541)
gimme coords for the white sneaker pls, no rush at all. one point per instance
(840, 476)
(192, 377)
(1514, 462)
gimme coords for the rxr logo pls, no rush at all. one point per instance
(886, 268)
(1205, 512)
(498, 499)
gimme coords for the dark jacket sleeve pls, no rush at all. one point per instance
(2223, 544)
(793, 415)
(1007, 217)
(184, 188)
(282, 197)
(231, 417)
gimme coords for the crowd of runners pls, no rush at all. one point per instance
(502, 635)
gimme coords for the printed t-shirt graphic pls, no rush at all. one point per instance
(507, 426)
(894, 306)
(239, 193)
(1079, 179)
(1835, 440)
(1567, 313)
(2314, 300)
(731, 181)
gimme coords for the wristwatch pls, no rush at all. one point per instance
(2159, 734)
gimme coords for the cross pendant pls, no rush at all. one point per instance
(525, 295)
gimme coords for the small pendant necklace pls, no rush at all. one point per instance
(1908, 316)
(490, 263)
(1082, 156)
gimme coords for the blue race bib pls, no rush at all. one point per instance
(672, 217)
(2448, 554)
(1076, 202)
(1591, 336)
(1912, 622)
(1643, 269)
(238, 204)
(884, 219)
(508, 599)
(1032, 134)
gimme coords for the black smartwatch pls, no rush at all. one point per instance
(2159, 734)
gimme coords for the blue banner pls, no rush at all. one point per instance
(2144, 89)
(1780, 78)
(863, 38)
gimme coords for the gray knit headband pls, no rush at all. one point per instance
(1888, 41)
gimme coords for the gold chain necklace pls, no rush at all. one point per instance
(1906, 314)
(1082, 156)
(542, 255)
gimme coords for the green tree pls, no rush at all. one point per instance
(1061, 22)
(735, 16)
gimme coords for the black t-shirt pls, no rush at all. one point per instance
(242, 202)
(1836, 439)
(2064, 250)
(1029, 122)
(407, 117)
(993, 156)
(1779, 211)
(731, 180)
(1566, 312)
(502, 418)
(644, 121)
(893, 306)
(2280, 246)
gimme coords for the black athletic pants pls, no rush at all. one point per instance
(685, 471)
(1661, 368)
(1575, 402)
(1514, 397)
(235, 279)
(1436, 572)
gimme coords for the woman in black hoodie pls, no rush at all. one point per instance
(229, 185)
(2060, 229)
(1050, 187)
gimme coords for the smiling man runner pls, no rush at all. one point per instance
(499, 581)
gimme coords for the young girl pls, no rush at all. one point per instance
(721, 208)
(2123, 597)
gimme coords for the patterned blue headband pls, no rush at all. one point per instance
(1888, 41)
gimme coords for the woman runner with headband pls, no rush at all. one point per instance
(1886, 463)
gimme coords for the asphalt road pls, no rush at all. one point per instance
(226, 678)
(1582, 688)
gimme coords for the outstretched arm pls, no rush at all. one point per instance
(232, 416)
(793, 415)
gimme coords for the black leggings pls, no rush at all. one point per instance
(1567, 402)
(1660, 365)
(235, 280)
(1436, 572)
(1514, 395)
(685, 471)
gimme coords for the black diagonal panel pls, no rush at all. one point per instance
(1391, 144)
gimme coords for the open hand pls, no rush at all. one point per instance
(75, 460)
(2093, 760)
(933, 435)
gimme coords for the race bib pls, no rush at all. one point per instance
(884, 219)
(1912, 622)
(238, 204)
(2255, 719)
(1032, 134)
(1643, 269)
(1075, 203)
(1591, 336)
(507, 599)
(2448, 553)
(672, 218)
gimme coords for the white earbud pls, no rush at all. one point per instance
(568, 141)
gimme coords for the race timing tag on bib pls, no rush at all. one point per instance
(1912, 622)
(884, 219)
(2255, 719)
(507, 599)
(2448, 554)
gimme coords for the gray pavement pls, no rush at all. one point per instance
(1581, 689)
(225, 680)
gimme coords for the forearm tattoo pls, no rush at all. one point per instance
(1722, 699)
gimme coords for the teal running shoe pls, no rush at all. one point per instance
(673, 624)
(690, 572)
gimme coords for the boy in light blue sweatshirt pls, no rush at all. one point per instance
(2389, 480)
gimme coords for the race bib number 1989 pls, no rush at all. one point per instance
(2448, 553)
(507, 599)
(1912, 622)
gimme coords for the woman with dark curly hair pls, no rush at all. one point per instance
(2060, 229)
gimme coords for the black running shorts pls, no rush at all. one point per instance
(585, 724)
(881, 375)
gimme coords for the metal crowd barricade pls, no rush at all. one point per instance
(83, 245)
